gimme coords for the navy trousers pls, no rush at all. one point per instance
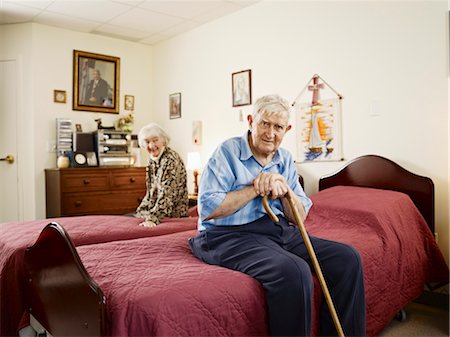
(276, 256)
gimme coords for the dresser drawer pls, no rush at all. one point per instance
(128, 180)
(101, 203)
(88, 182)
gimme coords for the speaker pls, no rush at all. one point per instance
(84, 142)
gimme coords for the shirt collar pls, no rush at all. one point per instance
(246, 151)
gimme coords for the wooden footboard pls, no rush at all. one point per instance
(61, 295)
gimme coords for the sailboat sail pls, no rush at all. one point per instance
(315, 140)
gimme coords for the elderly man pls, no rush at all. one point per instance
(235, 231)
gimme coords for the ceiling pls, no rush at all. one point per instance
(147, 22)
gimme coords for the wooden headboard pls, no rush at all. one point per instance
(379, 172)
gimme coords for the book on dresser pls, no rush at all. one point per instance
(96, 190)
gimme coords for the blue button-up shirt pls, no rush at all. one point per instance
(232, 167)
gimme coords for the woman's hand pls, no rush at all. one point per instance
(147, 223)
(270, 183)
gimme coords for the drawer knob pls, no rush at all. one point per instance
(86, 181)
(77, 203)
(132, 179)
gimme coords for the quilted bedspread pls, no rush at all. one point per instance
(156, 287)
(398, 250)
(83, 230)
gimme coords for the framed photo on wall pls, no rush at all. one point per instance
(129, 102)
(175, 105)
(96, 81)
(242, 87)
(59, 96)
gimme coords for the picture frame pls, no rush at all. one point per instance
(241, 82)
(59, 96)
(175, 105)
(128, 102)
(78, 128)
(91, 158)
(96, 79)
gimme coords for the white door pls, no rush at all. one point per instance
(9, 194)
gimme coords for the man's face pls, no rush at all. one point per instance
(267, 132)
(96, 75)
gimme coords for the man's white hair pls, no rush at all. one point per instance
(271, 104)
(149, 131)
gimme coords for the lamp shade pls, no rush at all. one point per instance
(193, 161)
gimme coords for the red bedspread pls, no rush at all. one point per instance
(154, 286)
(398, 250)
(83, 230)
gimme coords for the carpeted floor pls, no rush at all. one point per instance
(421, 320)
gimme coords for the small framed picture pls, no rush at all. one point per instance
(241, 82)
(78, 128)
(175, 105)
(129, 102)
(59, 96)
(91, 158)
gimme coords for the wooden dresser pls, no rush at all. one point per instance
(98, 190)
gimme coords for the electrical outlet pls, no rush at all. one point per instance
(51, 146)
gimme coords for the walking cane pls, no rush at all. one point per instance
(312, 255)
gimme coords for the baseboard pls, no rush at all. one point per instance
(434, 299)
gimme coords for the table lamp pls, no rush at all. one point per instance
(194, 163)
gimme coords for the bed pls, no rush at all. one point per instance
(15, 237)
(154, 286)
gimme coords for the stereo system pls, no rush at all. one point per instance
(113, 148)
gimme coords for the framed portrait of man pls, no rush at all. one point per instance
(96, 79)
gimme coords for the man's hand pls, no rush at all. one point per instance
(147, 223)
(270, 183)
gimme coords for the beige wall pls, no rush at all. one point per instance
(47, 60)
(390, 54)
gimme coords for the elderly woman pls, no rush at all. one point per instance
(167, 194)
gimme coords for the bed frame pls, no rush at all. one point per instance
(378, 172)
(53, 260)
(85, 316)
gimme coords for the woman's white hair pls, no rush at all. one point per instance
(149, 131)
(271, 104)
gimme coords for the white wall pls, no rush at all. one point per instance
(389, 53)
(47, 55)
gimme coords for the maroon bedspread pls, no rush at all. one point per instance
(155, 286)
(398, 250)
(83, 230)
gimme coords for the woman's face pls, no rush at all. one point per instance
(155, 145)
